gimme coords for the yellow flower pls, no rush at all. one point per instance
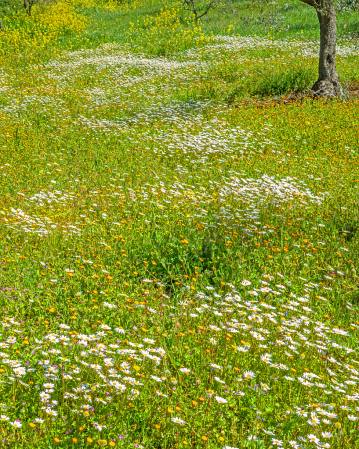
(89, 440)
(56, 440)
(32, 425)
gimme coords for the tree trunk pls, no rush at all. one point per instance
(328, 84)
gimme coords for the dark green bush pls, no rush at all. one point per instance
(283, 82)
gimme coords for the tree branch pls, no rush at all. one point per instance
(309, 2)
(190, 5)
(208, 8)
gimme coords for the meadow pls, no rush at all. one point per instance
(178, 228)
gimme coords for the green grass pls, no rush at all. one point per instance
(165, 225)
(249, 18)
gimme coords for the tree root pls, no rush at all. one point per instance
(327, 89)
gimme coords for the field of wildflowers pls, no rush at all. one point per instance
(179, 249)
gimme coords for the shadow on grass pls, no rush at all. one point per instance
(173, 260)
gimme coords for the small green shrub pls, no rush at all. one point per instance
(293, 80)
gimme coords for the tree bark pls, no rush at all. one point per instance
(328, 83)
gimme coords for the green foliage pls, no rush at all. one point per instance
(284, 82)
(9, 6)
(347, 5)
(181, 230)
